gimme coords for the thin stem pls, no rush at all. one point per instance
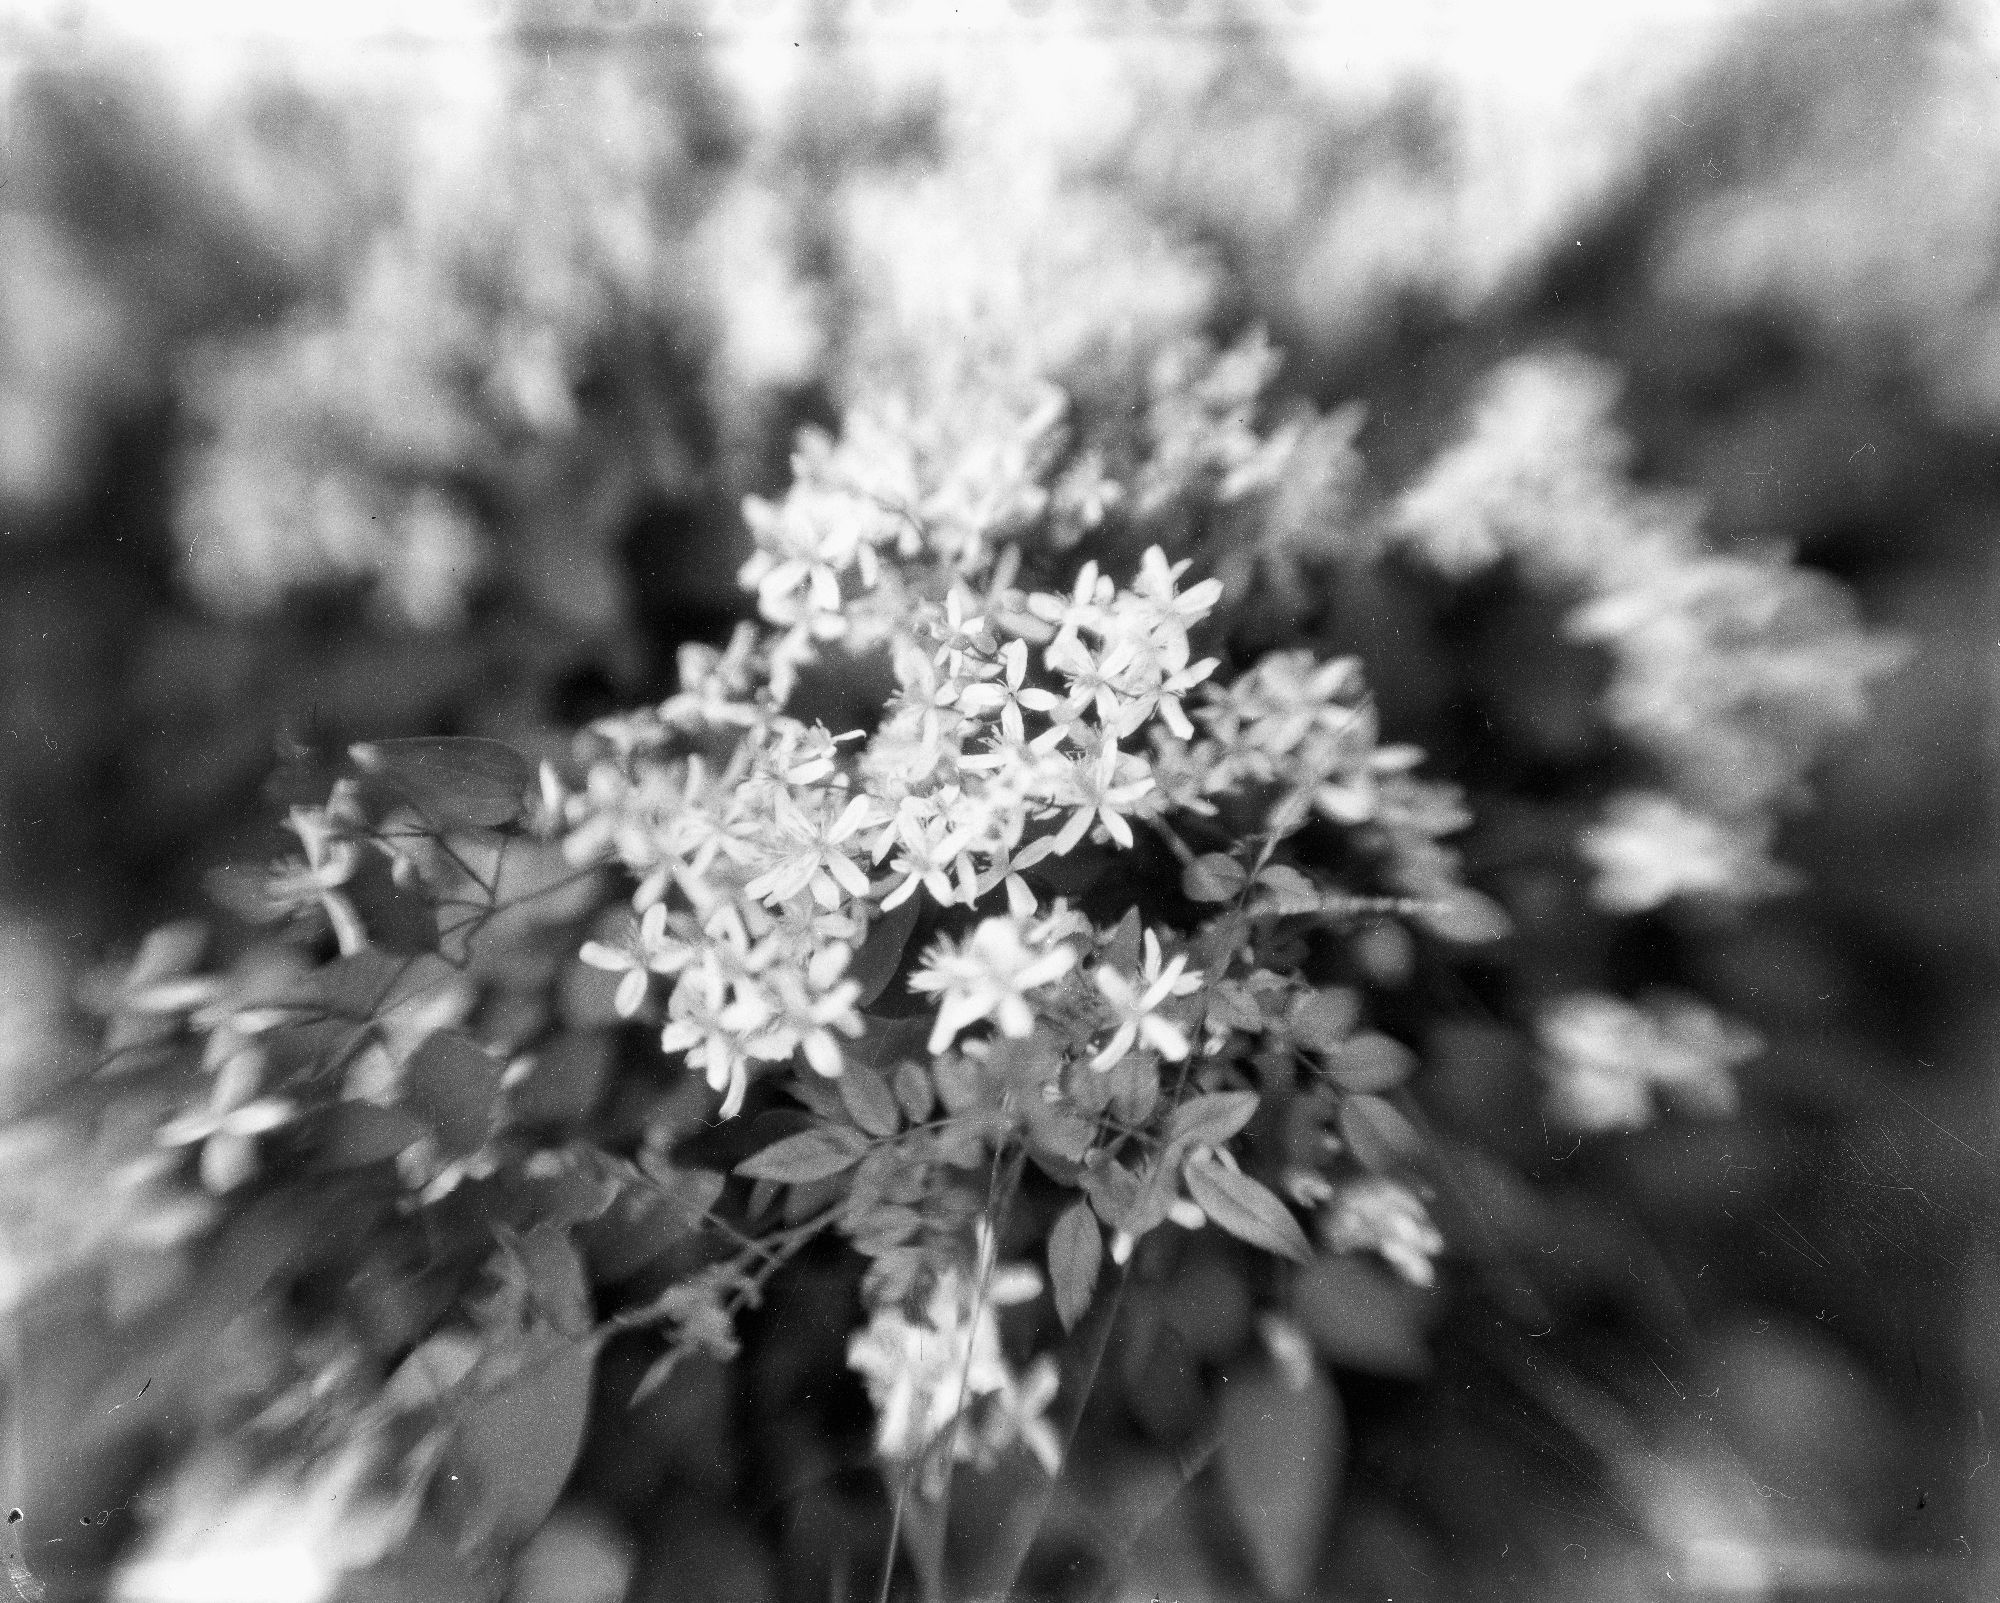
(895, 1530)
(998, 1199)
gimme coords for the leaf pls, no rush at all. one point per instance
(1246, 1209)
(361, 1133)
(396, 918)
(1322, 1020)
(960, 1085)
(518, 1444)
(1112, 1188)
(454, 1084)
(1466, 916)
(565, 1081)
(1281, 1456)
(1216, 877)
(1283, 890)
(1360, 1316)
(822, 1096)
(881, 953)
(810, 1155)
(1371, 1062)
(1210, 1120)
(868, 1099)
(1055, 1130)
(1076, 1252)
(460, 782)
(913, 1090)
(554, 1277)
(1121, 949)
(1377, 1133)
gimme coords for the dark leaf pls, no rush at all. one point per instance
(1121, 951)
(554, 1276)
(808, 1156)
(1362, 1317)
(881, 952)
(1246, 1209)
(459, 783)
(868, 1100)
(361, 1133)
(520, 1443)
(397, 918)
(1213, 878)
(1281, 1455)
(454, 1085)
(565, 1081)
(1076, 1251)
(1210, 1120)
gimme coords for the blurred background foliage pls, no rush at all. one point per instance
(411, 382)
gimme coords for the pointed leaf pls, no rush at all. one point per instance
(454, 1085)
(1113, 1190)
(1213, 878)
(1281, 1456)
(396, 918)
(1362, 1317)
(1121, 950)
(868, 1100)
(1210, 1120)
(1246, 1209)
(1076, 1253)
(914, 1092)
(810, 1155)
(881, 952)
(822, 1096)
(1282, 890)
(461, 782)
(1377, 1132)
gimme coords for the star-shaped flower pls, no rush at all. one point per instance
(1135, 1005)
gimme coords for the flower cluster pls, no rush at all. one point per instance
(1385, 1217)
(925, 1374)
(1014, 735)
(1605, 1059)
(1731, 671)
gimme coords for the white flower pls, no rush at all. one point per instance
(932, 849)
(923, 1374)
(812, 857)
(989, 977)
(228, 1128)
(1135, 1005)
(1381, 1216)
(1098, 794)
(1017, 1412)
(1605, 1058)
(649, 951)
(1649, 849)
